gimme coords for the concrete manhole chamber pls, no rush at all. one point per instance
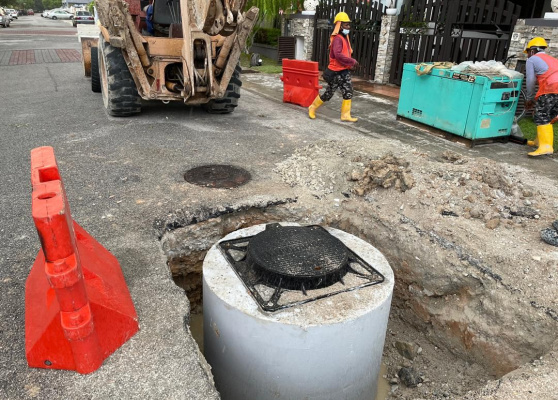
(282, 323)
(446, 311)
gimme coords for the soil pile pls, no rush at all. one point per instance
(463, 236)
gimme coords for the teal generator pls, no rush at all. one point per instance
(474, 106)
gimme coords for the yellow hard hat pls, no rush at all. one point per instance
(536, 42)
(342, 16)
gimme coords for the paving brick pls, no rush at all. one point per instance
(39, 56)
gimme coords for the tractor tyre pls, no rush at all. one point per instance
(229, 101)
(95, 75)
(120, 95)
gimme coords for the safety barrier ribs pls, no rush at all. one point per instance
(78, 309)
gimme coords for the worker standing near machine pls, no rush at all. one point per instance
(150, 31)
(543, 69)
(337, 74)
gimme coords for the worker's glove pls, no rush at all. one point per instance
(529, 104)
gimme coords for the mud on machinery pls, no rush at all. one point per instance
(192, 56)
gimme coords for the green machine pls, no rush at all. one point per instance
(474, 106)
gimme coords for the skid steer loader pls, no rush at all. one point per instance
(192, 56)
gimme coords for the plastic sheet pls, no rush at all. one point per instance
(487, 68)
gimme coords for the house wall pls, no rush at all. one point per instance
(302, 27)
(527, 29)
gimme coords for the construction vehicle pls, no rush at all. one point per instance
(192, 56)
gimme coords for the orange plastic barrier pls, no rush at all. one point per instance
(300, 82)
(78, 309)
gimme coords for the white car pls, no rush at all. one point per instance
(60, 14)
(11, 12)
(46, 13)
(4, 18)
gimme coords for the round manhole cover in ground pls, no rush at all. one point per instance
(217, 176)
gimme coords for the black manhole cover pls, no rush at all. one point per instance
(217, 176)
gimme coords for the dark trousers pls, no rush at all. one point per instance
(337, 79)
(546, 108)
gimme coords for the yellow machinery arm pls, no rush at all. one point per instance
(191, 57)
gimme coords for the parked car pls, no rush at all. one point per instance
(30, 12)
(46, 13)
(83, 17)
(11, 12)
(61, 14)
(4, 18)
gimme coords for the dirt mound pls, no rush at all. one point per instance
(463, 236)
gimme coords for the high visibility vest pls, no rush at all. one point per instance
(335, 65)
(548, 82)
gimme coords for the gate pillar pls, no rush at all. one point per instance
(385, 48)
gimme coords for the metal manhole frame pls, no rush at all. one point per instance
(232, 181)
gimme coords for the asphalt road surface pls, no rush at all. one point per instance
(121, 175)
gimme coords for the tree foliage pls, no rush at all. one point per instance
(269, 9)
(18, 4)
(51, 4)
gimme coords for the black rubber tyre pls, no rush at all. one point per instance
(95, 75)
(229, 101)
(120, 95)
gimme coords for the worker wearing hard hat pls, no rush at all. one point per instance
(543, 69)
(337, 73)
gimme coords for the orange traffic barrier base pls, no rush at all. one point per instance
(300, 82)
(78, 309)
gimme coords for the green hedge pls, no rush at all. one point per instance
(267, 36)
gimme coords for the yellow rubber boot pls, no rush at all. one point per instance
(533, 143)
(346, 112)
(545, 134)
(314, 106)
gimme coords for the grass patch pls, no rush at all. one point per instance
(529, 130)
(268, 66)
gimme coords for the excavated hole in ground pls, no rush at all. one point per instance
(450, 357)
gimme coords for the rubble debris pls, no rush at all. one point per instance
(453, 157)
(492, 223)
(550, 236)
(526, 212)
(410, 377)
(389, 171)
(407, 349)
